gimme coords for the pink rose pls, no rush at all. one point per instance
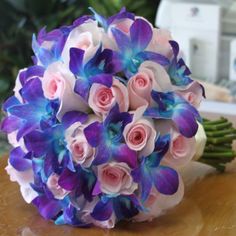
(157, 203)
(181, 150)
(87, 37)
(102, 99)
(193, 94)
(82, 153)
(24, 179)
(140, 134)
(115, 178)
(53, 186)
(160, 42)
(58, 83)
(150, 76)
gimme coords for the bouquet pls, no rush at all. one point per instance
(102, 121)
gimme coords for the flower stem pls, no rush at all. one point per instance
(220, 135)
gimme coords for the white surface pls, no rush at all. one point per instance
(214, 110)
(204, 31)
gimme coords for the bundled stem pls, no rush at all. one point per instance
(220, 135)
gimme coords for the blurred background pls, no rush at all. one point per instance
(205, 29)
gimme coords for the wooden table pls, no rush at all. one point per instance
(209, 208)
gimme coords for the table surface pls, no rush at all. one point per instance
(209, 208)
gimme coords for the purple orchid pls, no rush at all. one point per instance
(124, 207)
(108, 138)
(132, 48)
(150, 173)
(99, 69)
(81, 181)
(179, 73)
(172, 106)
(35, 111)
(57, 38)
(105, 23)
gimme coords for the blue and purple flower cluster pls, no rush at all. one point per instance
(102, 121)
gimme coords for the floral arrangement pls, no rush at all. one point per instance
(102, 122)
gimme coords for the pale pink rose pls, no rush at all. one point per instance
(58, 83)
(87, 37)
(57, 191)
(160, 42)
(150, 76)
(158, 203)
(192, 93)
(140, 87)
(102, 99)
(140, 134)
(181, 150)
(86, 216)
(24, 179)
(115, 178)
(82, 153)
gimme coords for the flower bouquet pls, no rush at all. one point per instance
(102, 122)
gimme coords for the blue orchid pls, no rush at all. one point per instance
(132, 48)
(50, 143)
(71, 216)
(35, 112)
(124, 207)
(173, 107)
(178, 71)
(57, 38)
(81, 181)
(99, 69)
(108, 138)
(150, 173)
(105, 23)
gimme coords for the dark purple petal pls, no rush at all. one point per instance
(26, 128)
(146, 183)
(82, 87)
(93, 133)
(122, 40)
(175, 47)
(18, 161)
(140, 34)
(125, 207)
(152, 56)
(116, 117)
(122, 153)
(76, 60)
(81, 20)
(10, 124)
(166, 180)
(48, 208)
(32, 90)
(34, 71)
(185, 122)
(73, 116)
(102, 211)
(11, 101)
(37, 142)
(105, 79)
(103, 154)
(69, 180)
(96, 190)
(123, 14)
